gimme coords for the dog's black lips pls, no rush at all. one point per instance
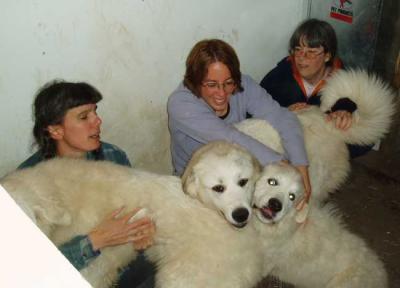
(240, 225)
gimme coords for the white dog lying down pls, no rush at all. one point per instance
(194, 246)
(314, 249)
(326, 145)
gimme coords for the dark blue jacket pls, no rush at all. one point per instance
(283, 85)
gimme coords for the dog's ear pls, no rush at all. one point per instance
(302, 214)
(53, 214)
(190, 183)
(257, 168)
(45, 214)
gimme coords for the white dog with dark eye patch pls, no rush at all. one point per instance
(311, 247)
(229, 188)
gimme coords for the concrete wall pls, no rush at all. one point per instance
(133, 52)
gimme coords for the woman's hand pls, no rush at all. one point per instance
(144, 238)
(116, 230)
(298, 106)
(343, 119)
(307, 185)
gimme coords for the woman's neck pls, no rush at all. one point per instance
(319, 76)
(63, 151)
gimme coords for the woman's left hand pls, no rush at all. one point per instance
(307, 185)
(343, 119)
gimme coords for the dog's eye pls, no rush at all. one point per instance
(292, 196)
(272, 181)
(218, 188)
(243, 182)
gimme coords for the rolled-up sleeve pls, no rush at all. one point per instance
(79, 251)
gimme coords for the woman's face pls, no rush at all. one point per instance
(78, 133)
(311, 62)
(217, 87)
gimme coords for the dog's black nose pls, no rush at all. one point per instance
(240, 215)
(275, 205)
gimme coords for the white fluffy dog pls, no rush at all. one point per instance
(229, 188)
(311, 247)
(326, 145)
(194, 246)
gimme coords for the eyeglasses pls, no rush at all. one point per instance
(309, 53)
(227, 86)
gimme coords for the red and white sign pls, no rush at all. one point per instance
(342, 10)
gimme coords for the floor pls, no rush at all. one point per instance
(370, 202)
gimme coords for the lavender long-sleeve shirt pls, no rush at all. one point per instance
(193, 123)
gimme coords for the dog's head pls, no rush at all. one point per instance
(222, 176)
(278, 191)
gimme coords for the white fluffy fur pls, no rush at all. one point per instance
(230, 187)
(373, 97)
(326, 145)
(314, 249)
(194, 246)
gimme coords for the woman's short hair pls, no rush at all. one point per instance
(52, 102)
(205, 53)
(315, 33)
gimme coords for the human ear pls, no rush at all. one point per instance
(327, 57)
(56, 131)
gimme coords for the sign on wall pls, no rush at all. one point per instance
(342, 10)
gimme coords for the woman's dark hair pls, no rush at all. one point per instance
(315, 33)
(52, 102)
(205, 53)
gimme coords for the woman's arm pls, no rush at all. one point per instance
(262, 106)
(114, 230)
(79, 251)
(192, 123)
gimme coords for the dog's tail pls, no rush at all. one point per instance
(374, 100)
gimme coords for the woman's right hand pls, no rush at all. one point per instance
(116, 230)
(343, 119)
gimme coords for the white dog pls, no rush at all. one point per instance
(311, 247)
(194, 246)
(229, 188)
(326, 145)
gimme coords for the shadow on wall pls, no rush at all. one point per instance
(396, 75)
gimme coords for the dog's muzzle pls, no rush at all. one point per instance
(270, 210)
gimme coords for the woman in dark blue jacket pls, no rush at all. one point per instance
(297, 80)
